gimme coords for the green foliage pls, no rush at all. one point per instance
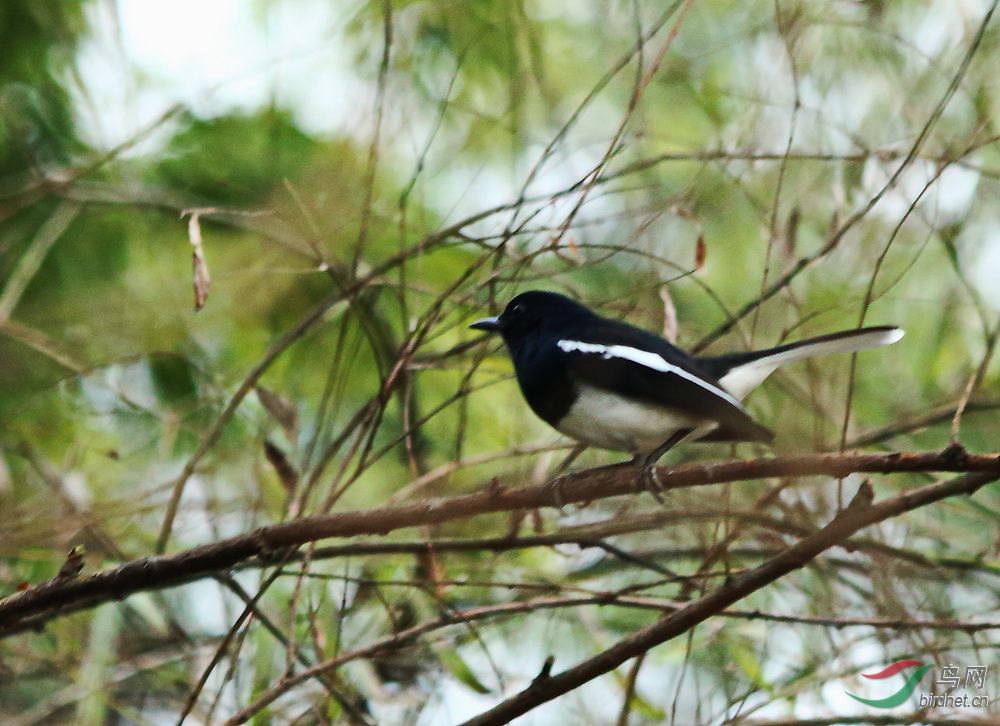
(38, 40)
(236, 159)
(342, 283)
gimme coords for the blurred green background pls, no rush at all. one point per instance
(395, 192)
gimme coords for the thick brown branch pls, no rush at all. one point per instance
(31, 608)
(395, 641)
(861, 513)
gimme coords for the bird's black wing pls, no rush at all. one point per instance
(617, 357)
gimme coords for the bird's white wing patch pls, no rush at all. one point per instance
(648, 359)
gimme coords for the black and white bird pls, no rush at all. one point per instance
(608, 384)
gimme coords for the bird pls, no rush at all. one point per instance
(612, 385)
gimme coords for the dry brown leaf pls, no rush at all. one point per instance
(670, 328)
(790, 238)
(201, 279)
(281, 409)
(700, 252)
(286, 472)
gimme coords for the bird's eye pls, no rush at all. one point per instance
(517, 310)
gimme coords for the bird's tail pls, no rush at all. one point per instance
(740, 373)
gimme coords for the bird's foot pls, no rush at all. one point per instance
(647, 479)
(556, 483)
(555, 486)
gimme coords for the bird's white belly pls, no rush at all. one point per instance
(602, 419)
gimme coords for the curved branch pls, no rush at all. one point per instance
(32, 608)
(396, 641)
(860, 513)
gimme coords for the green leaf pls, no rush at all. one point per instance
(453, 663)
(749, 663)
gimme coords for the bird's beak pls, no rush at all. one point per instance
(490, 324)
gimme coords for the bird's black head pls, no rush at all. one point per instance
(532, 313)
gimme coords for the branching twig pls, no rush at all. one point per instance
(31, 608)
(838, 235)
(859, 513)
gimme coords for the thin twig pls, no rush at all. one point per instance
(31, 608)
(858, 514)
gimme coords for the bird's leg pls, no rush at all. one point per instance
(555, 484)
(648, 478)
(643, 482)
